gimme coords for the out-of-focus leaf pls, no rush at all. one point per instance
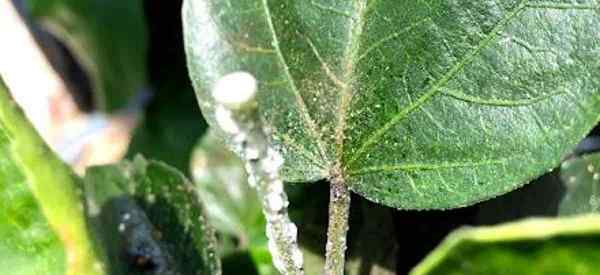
(42, 222)
(581, 177)
(160, 229)
(172, 126)
(232, 205)
(108, 37)
(413, 105)
(172, 123)
(529, 247)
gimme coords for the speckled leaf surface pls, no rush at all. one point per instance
(148, 210)
(534, 246)
(414, 104)
(108, 38)
(581, 177)
(42, 222)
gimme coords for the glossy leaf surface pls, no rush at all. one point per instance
(42, 222)
(148, 210)
(535, 246)
(581, 177)
(108, 38)
(413, 104)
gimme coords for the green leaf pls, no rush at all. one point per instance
(581, 177)
(534, 246)
(42, 222)
(413, 104)
(233, 207)
(149, 212)
(108, 38)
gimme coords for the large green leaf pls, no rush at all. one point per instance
(535, 246)
(150, 219)
(414, 104)
(581, 177)
(109, 40)
(42, 221)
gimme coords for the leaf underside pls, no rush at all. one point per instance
(535, 246)
(413, 104)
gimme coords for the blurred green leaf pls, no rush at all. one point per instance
(170, 129)
(232, 205)
(42, 222)
(150, 217)
(108, 38)
(581, 177)
(535, 246)
(172, 123)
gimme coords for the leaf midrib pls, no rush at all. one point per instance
(351, 57)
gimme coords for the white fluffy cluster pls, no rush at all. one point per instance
(235, 95)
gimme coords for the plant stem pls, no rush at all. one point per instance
(339, 210)
(238, 117)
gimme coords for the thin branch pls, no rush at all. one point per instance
(339, 209)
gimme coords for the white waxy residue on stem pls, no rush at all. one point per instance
(236, 113)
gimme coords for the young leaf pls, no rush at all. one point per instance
(109, 40)
(42, 222)
(581, 177)
(413, 104)
(170, 234)
(534, 246)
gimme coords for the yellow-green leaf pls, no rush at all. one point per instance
(530, 247)
(42, 223)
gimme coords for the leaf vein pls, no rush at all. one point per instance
(436, 87)
(497, 101)
(301, 104)
(414, 167)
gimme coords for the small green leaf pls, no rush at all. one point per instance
(413, 104)
(232, 205)
(109, 40)
(148, 210)
(529, 247)
(42, 222)
(581, 177)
